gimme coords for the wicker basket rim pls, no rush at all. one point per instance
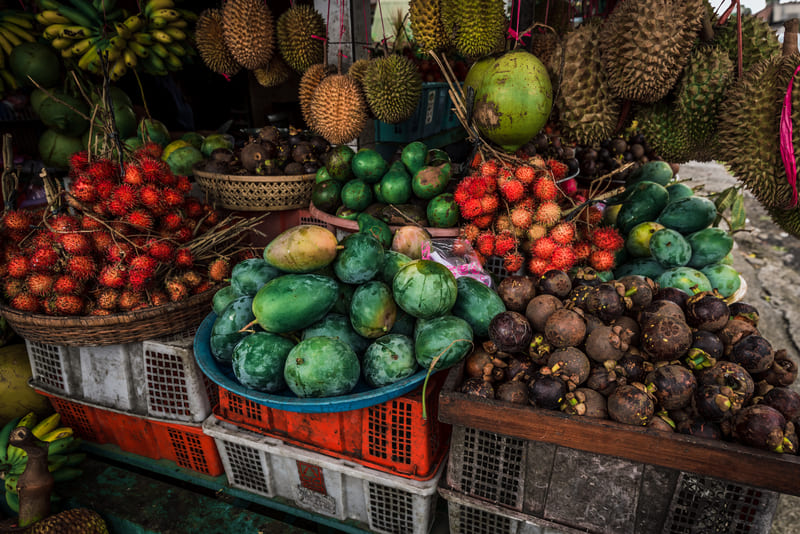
(252, 178)
(100, 320)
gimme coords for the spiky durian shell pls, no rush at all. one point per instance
(392, 86)
(72, 521)
(749, 128)
(699, 94)
(545, 45)
(474, 26)
(308, 85)
(249, 32)
(358, 69)
(426, 24)
(788, 219)
(274, 74)
(646, 43)
(295, 29)
(665, 131)
(759, 41)
(587, 110)
(338, 109)
(211, 45)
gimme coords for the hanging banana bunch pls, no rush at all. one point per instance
(16, 28)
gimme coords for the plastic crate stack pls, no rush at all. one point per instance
(432, 116)
(378, 466)
(148, 398)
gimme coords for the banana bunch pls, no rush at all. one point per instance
(62, 459)
(16, 28)
(154, 40)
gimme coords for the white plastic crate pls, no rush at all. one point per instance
(51, 365)
(328, 486)
(176, 388)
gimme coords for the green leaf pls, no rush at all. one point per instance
(738, 215)
(724, 201)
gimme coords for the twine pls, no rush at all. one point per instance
(786, 133)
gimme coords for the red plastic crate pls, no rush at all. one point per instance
(184, 444)
(391, 436)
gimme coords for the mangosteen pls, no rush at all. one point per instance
(672, 294)
(219, 167)
(706, 311)
(731, 375)
(555, 282)
(585, 276)
(745, 312)
(295, 136)
(631, 404)
(592, 322)
(547, 392)
(269, 133)
(270, 148)
(715, 402)
(630, 327)
(782, 372)
(252, 156)
(293, 169)
(319, 144)
(733, 332)
(565, 328)
(661, 422)
(577, 297)
(510, 331)
(311, 167)
(659, 308)
(672, 386)
(303, 152)
(516, 292)
(634, 367)
(709, 343)
(763, 427)
(540, 308)
(784, 400)
(518, 366)
(570, 364)
(284, 152)
(665, 338)
(585, 402)
(754, 353)
(539, 349)
(702, 428)
(514, 391)
(476, 362)
(604, 343)
(604, 380)
(478, 387)
(224, 155)
(638, 291)
(270, 167)
(605, 302)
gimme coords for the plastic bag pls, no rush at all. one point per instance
(444, 251)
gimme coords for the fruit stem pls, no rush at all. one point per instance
(632, 291)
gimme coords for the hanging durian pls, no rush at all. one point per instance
(587, 110)
(426, 24)
(274, 74)
(545, 45)
(297, 27)
(338, 109)
(358, 68)
(392, 86)
(211, 45)
(759, 41)
(249, 32)
(554, 13)
(646, 43)
(308, 84)
(474, 26)
(665, 131)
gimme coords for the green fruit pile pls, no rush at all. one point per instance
(670, 237)
(353, 182)
(318, 316)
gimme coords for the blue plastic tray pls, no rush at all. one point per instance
(362, 396)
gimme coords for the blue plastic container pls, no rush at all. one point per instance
(428, 119)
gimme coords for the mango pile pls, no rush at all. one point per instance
(316, 317)
(415, 185)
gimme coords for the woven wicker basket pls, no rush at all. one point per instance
(128, 327)
(256, 193)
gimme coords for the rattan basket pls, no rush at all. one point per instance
(255, 193)
(128, 327)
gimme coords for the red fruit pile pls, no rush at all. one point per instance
(124, 245)
(516, 213)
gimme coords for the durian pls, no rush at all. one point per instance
(296, 28)
(699, 94)
(665, 131)
(788, 219)
(338, 109)
(588, 112)
(554, 13)
(545, 45)
(392, 86)
(646, 43)
(759, 41)
(274, 74)
(73, 521)
(211, 45)
(308, 85)
(426, 24)
(249, 32)
(358, 68)
(475, 27)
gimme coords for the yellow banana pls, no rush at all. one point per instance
(180, 23)
(29, 421)
(176, 33)
(143, 38)
(75, 32)
(155, 64)
(138, 49)
(122, 30)
(5, 45)
(53, 30)
(22, 22)
(130, 57)
(113, 54)
(80, 48)
(155, 5)
(118, 42)
(57, 434)
(168, 14)
(48, 423)
(61, 43)
(22, 33)
(10, 37)
(157, 23)
(134, 23)
(161, 36)
(90, 54)
(67, 53)
(159, 50)
(9, 79)
(51, 16)
(173, 62)
(118, 70)
(176, 48)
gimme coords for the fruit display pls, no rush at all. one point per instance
(156, 40)
(62, 456)
(637, 354)
(412, 187)
(315, 317)
(16, 28)
(670, 234)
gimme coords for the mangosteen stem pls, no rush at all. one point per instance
(434, 361)
(631, 291)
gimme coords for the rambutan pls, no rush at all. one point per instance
(176, 290)
(160, 250)
(104, 187)
(119, 251)
(98, 312)
(83, 189)
(601, 260)
(512, 190)
(513, 262)
(130, 298)
(485, 243)
(538, 266)
(535, 232)
(81, 267)
(133, 175)
(43, 260)
(172, 221)
(172, 198)
(477, 160)
(67, 285)
(483, 221)
(491, 184)
(75, 243)
(489, 204)
(123, 199)
(64, 223)
(471, 208)
(219, 269)
(18, 267)
(521, 218)
(17, 220)
(39, 284)
(607, 238)
(503, 223)
(113, 275)
(476, 186)
(152, 169)
(103, 169)
(504, 243)
(139, 279)
(193, 208)
(140, 218)
(107, 299)
(582, 250)
(91, 223)
(192, 279)
(100, 208)
(202, 287)
(26, 302)
(563, 233)
(150, 196)
(184, 258)
(470, 232)
(102, 240)
(525, 174)
(544, 247)
(183, 184)
(545, 189)
(489, 168)
(461, 195)
(212, 216)
(144, 263)
(592, 215)
(13, 287)
(183, 234)
(548, 213)
(158, 298)
(558, 169)
(148, 149)
(79, 161)
(563, 258)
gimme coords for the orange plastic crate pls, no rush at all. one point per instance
(391, 436)
(184, 444)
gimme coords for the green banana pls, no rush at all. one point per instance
(12, 500)
(161, 36)
(51, 422)
(160, 50)
(118, 42)
(130, 57)
(176, 48)
(88, 10)
(180, 23)
(78, 49)
(60, 446)
(11, 38)
(75, 32)
(16, 456)
(157, 23)
(77, 17)
(23, 34)
(154, 5)
(5, 432)
(175, 33)
(58, 433)
(143, 38)
(5, 45)
(173, 62)
(138, 49)
(22, 22)
(75, 459)
(168, 14)
(11, 484)
(56, 462)
(49, 4)
(89, 55)
(51, 16)
(67, 473)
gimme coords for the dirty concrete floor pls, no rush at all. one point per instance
(769, 261)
